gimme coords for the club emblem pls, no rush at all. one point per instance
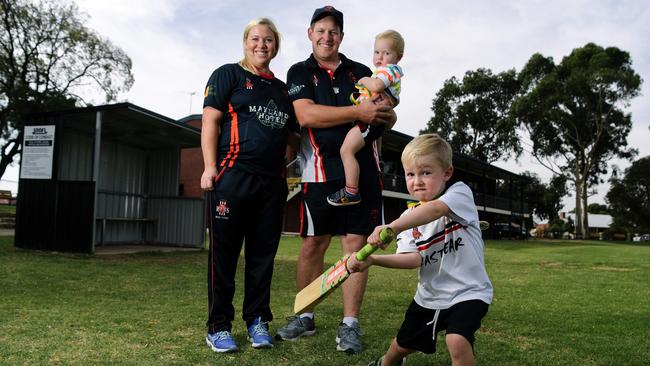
(416, 233)
(222, 208)
(248, 84)
(352, 77)
(315, 81)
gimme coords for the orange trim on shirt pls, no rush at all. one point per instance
(234, 139)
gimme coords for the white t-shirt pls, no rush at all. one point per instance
(453, 269)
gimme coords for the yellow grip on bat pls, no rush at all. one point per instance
(386, 235)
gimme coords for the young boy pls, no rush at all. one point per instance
(441, 237)
(385, 81)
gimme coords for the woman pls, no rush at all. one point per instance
(247, 119)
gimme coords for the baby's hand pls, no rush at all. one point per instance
(364, 81)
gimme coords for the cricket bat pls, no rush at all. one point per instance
(322, 286)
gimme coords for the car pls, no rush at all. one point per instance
(640, 238)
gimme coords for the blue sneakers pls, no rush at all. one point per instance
(221, 342)
(258, 334)
(343, 198)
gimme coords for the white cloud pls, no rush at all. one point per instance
(175, 44)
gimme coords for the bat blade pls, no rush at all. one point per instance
(334, 276)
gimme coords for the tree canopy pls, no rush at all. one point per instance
(545, 199)
(50, 60)
(574, 113)
(629, 198)
(473, 115)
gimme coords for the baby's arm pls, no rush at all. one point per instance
(375, 85)
(400, 260)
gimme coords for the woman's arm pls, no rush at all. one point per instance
(209, 135)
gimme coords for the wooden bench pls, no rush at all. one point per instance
(6, 197)
(123, 219)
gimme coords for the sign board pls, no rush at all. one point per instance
(38, 152)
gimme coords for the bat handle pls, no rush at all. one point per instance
(386, 235)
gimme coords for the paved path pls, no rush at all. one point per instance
(129, 249)
(6, 232)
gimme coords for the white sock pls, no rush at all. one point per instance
(350, 320)
(307, 315)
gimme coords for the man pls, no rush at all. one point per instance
(320, 89)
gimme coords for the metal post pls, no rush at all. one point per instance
(95, 177)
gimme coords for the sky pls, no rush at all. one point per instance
(176, 44)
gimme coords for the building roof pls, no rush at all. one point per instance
(126, 123)
(596, 221)
(396, 141)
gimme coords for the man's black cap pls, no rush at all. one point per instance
(325, 11)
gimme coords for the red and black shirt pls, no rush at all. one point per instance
(319, 147)
(258, 116)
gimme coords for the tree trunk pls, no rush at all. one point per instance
(585, 221)
(7, 157)
(579, 222)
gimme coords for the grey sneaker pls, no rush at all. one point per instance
(296, 327)
(349, 339)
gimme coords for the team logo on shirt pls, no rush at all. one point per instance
(248, 84)
(295, 89)
(222, 210)
(269, 115)
(208, 91)
(315, 80)
(416, 233)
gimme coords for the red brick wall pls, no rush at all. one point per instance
(192, 168)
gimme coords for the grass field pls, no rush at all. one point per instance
(560, 303)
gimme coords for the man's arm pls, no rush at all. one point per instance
(314, 115)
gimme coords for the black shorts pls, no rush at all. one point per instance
(417, 333)
(317, 217)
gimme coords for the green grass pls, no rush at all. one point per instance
(562, 303)
(8, 209)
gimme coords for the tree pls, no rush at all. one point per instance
(597, 208)
(473, 115)
(545, 199)
(629, 197)
(574, 113)
(50, 60)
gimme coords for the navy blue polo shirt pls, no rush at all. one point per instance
(258, 116)
(319, 147)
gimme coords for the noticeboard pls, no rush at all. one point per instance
(38, 152)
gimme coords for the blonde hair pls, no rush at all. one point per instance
(247, 29)
(430, 144)
(398, 41)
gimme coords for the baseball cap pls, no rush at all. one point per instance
(325, 11)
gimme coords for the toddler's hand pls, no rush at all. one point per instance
(355, 265)
(374, 238)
